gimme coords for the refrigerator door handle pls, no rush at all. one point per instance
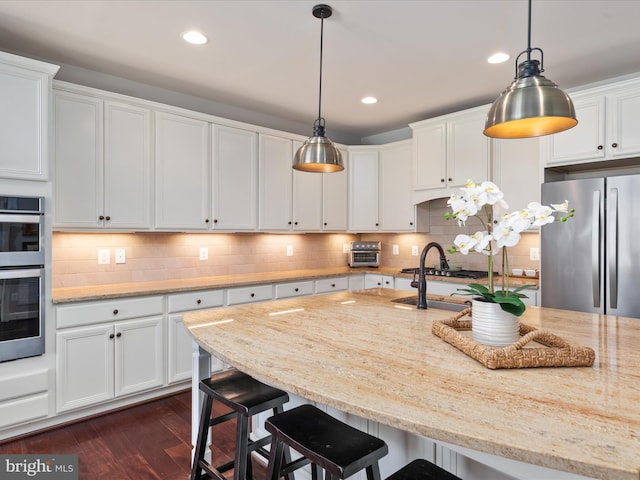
(612, 247)
(595, 248)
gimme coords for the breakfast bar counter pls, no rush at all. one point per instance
(363, 354)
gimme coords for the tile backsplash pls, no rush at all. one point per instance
(166, 256)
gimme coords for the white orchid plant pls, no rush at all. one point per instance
(485, 201)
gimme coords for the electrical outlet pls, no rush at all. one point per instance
(396, 250)
(204, 253)
(289, 250)
(104, 257)
(414, 250)
(121, 256)
(534, 253)
(345, 248)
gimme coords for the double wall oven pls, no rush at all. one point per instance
(21, 277)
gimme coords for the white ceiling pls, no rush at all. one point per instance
(419, 57)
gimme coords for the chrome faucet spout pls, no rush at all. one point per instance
(421, 284)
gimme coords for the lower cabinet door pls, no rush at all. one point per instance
(179, 350)
(139, 355)
(84, 370)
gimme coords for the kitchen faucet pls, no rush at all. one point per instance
(421, 284)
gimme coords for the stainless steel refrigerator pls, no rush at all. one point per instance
(591, 263)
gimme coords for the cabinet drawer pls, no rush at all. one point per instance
(294, 289)
(22, 385)
(99, 312)
(181, 302)
(334, 284)
(24, 409)
(257, 293)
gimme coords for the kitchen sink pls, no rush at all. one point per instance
(413, 300)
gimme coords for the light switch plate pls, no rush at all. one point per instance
(414, 250)
(121, 256)
(534, 253)
(204, 253)
(289, 250)
(396, 250)
(104, 257)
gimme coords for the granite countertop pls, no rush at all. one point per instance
(162, 287)
(365, 355)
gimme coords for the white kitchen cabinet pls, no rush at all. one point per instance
(448, 151)
(100, 362)
(335, 198)
(25, 96)
(607, 126)
(332, 284)
(103, 163)
(108, 349)
(275, 184)
(182, 172)
(395, 206)
(254, 293)
(23, 397)
(235, 178)
(179, 342)
(375, 280)
(293, 289)
(516, 170)
(363, 189)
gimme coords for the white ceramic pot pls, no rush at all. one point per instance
(492, 326)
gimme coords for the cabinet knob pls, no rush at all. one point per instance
(295, 223)
(411, 224)
(253, 295)
(442, 180)
(325, 224)
(387, 282)
(379, 284)
(111, 336)
(115, 311)
(101, 217)
(377, 224)
(107, 218)
(600, 147)
(289, 222)
(333, 285)
(614, 145)
(119, 334)
(215, 220)
(206, 220)
(296, 289)
(451, 179)
(198, 301)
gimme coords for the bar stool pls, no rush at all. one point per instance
(323, 441)
(246, 397)
(422, 470)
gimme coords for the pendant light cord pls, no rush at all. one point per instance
(320, 86)
(529, 35)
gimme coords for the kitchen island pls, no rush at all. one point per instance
(363, 354)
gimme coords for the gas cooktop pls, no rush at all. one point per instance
(448, 273)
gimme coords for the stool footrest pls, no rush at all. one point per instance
(422, 470)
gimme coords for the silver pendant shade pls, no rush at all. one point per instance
(532, 105)
(318, 154)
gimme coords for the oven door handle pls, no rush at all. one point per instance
(9, 273)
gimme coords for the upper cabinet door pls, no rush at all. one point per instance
(430, 155)
(363, 191)
(335, 198)
(467, 148)
(78, 157)
(623, 119)
(127, 166)
(25, 96)
(235, 178)
(397, 212)
(182, 172)
(275, 183)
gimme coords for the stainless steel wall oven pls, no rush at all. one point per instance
(21, 277)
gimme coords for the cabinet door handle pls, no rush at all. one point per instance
(215, 220)
(115, 311)
(451, 179)
(198, 301)
(325, 224)
(411, 224)
(253, 295)
(614, 145)
(206, 220)
(442, 180)
(289, 222)
(296, 289)
(101, 217)
(600, 147)
(107, 218)
(111, 336)
(295, 223)
(119, 334)
(333, 285)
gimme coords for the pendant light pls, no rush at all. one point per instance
(318, 154)
(532, 105)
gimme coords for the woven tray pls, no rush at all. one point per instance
(552, 352)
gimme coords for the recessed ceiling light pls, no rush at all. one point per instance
(194, 37)
(369, 100)
(499, 57)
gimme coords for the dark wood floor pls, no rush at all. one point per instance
(149, 441)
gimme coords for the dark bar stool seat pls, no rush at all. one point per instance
(245, 396)
(323, 441)
(422, 470)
